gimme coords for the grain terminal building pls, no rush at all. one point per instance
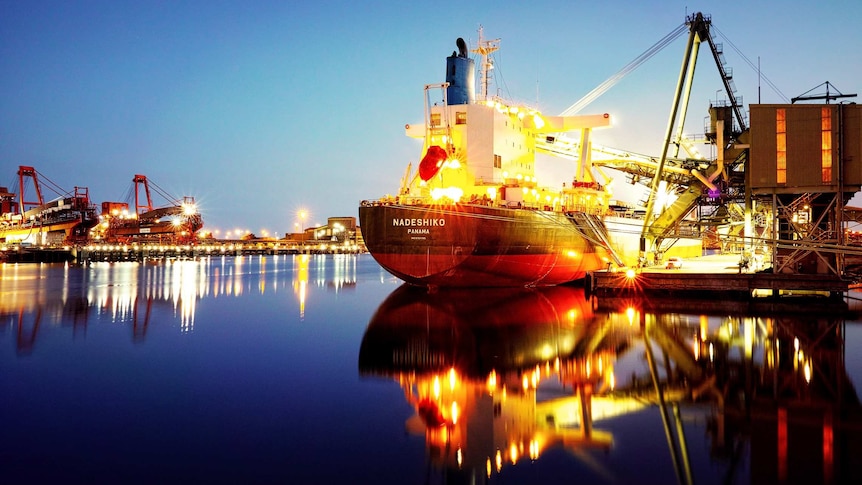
(805, 164)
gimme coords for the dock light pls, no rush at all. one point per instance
(189, 209)
(454, 193)
(538, 121)
(630, 273)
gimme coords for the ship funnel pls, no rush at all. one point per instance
(460, 74)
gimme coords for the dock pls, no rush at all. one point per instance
(715, 276)
(140, 252)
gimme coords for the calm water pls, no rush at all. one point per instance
(326, 370)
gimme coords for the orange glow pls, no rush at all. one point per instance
(782, 444)
(826, 144)
(534, 449)
(492, 380)
(513, 453)
(781, 146)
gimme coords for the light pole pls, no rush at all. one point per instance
(301, 214)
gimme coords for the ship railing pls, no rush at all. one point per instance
(587, 208)
(398, 200)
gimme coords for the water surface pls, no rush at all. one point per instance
(325, 369)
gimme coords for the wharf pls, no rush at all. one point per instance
(714, 276)
(137, 252)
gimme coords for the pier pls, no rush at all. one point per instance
(719, 276)
(140, 252)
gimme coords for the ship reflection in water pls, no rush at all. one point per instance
(130, 293)
(497, 378)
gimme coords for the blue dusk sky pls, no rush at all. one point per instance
(261, 108)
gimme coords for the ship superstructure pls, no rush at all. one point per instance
(474, 213)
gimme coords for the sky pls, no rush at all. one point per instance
(262, 109)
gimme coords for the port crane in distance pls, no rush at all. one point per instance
(175, 223)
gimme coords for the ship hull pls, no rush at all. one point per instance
(48, 233)
(478, 246)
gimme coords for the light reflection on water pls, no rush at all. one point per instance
(239, 369)
(125, 292)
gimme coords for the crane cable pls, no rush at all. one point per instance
(613, 80)
(753, 66)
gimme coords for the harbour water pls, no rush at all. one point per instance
(326, 369)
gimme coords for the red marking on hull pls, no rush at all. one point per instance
(497, 270)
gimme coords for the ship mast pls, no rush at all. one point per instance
(483, 48)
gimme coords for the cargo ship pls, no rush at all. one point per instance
(65, 220)
(473, 214)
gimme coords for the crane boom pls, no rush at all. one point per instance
(699, 31)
